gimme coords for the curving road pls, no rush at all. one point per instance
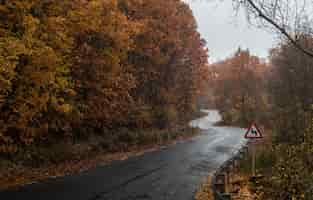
(175, 172)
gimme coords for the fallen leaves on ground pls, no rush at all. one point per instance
(205, 191)
(20, 175)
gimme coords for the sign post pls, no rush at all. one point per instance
(253, 134)
(253, 160)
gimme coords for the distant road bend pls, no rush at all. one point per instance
(172, 173)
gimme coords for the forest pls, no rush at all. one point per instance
(80, 78)
(239, 88)
(278, 95)
(116, 70)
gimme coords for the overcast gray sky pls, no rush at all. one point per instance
(224, 32)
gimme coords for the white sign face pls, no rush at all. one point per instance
(253, 132)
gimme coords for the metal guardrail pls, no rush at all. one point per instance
(221, 177)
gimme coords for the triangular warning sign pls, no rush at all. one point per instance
(253, 132)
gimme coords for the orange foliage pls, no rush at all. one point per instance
(72, 68)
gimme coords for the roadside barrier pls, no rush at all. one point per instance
(221, 178)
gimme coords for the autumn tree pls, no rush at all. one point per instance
(169, 58)
(240, 89)
(34, 75)
(73, 69)
(101, 72)
(291, 90)
(289, 85)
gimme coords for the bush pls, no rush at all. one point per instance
(54, 154)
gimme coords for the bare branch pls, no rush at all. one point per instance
(279, 15)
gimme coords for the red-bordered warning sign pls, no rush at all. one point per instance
(253, 132)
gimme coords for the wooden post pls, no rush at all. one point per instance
(253, 160)
(220, 183)
(227, 180)
(236, 164)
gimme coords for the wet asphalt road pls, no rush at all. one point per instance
(173, 173)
